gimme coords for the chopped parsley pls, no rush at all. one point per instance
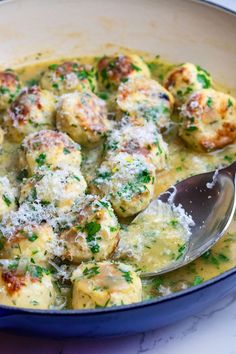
(191, 128)
(199, 68)
(209, 102)
(174, 223)
(41, 159)
(6, 200)
(135, 67)
(53, 66)
(91, 272)
(229, 103)
(104, 204)
(92, 229)
(36, 271)
(127, 276)
(181, 251)
(77, 178)
(32, 82)
(228, 158)
(55, 86)
(103, 95)
(204, 81)
(66, 151)
(157, 282)
(179, 169)
(104, 175)
(197, 280)
(104, 74)
(33, 237)
(215, 259)
(113, 229)
(144, 176)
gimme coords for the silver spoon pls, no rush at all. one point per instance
(210, 199)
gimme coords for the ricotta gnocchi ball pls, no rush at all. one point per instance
(30, 241)
(140, 97)
(69, 77)
(114, 70)
(105, 284)
(128, 181)
(83, 116)
(138, 138)
(60, 188)
(208, 120)
(32, 110)
(50, 149)
(9, 88)
(8, 196)
(185, 79)
(24, 284)
(95, 231)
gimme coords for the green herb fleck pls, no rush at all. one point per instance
(53, 66)
(92, 228)
(41, 159)
(191, 128)
(66, 151)
(135, 67)
(144, 176)
(209, 102)
(181, 251)
(6, 200)
(228, 158)
(229, 103)
(204, 81)
(91, 272)
(174, 223)
(127, 276)
(197, 280)
(33, 237)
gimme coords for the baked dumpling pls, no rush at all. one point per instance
(95, 230)
(185, 79)
(60, 188)
(32, 110)
(30, 241)
(9, 88)
(138, 137)
(208, 120)
(105, 284)
(114, 70)
(69, 77)
(140, 97)
(127, 180)
(83, 116)
(25, 284)
(51, 150)
(8, 196)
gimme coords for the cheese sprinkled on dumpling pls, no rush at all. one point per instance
(105, 284)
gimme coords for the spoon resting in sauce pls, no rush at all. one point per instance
(209, 199)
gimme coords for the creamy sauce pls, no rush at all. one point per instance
(182, 163)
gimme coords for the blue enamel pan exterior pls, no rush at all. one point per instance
(118, 320)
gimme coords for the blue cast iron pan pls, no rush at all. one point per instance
(120, 320)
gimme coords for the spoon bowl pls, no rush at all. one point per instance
(210, 199)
